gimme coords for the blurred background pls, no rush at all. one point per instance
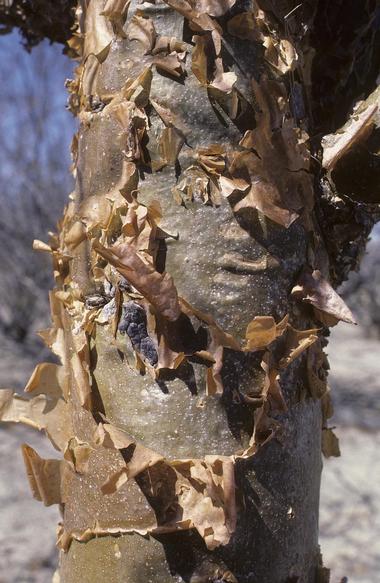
(35, 135)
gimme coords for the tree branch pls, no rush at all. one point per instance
(38, 19)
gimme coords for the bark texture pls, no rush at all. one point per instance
(193, 295)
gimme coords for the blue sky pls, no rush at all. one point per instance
(34, 124)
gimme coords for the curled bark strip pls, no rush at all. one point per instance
(42, 413)
(262, 331)
(314, 289)
(330, 443)
(157, 288)
(44, 476)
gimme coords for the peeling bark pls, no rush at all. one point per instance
(194, 273)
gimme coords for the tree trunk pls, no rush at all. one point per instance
(190, 407)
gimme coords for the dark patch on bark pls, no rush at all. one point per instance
(238, 384)
(185, 372)
(134, 324)
(187, 556)
(346, 225)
